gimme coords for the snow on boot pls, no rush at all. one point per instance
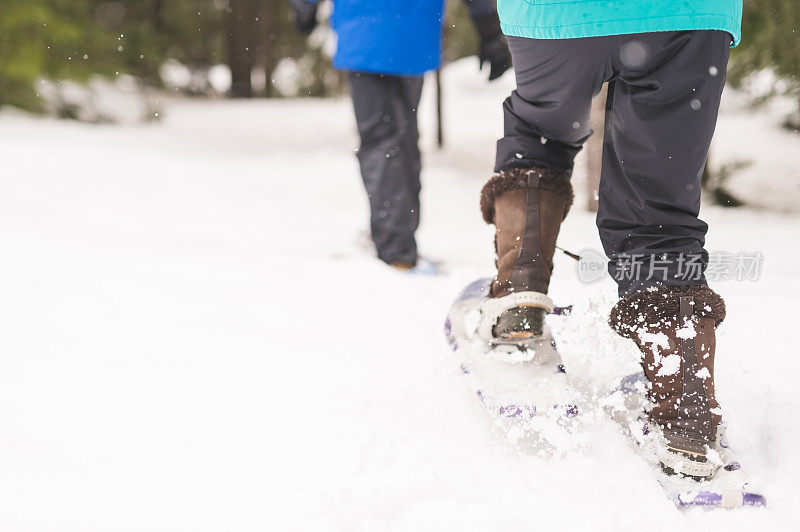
(674, 328)
(526, 207)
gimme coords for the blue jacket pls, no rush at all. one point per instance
(401, 37)
(567, 19)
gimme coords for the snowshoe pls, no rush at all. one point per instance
(513, 375)
(719, 482)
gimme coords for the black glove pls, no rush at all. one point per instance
(305, 15)
(493, 46)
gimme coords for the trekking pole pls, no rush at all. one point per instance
(439, 128)
(569, 253)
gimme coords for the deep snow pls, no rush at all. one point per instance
(192, 337)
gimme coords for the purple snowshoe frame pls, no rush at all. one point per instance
(713, 499)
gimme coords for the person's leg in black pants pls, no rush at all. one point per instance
(546, 119)
(386, 116)
(546, 123)
(662, 112)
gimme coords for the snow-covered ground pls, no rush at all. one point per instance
(192, 337)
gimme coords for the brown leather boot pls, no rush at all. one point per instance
(674, 328)
(526, 207)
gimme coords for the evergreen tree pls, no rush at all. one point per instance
(74, 39)
(770, 39)
(48, 38)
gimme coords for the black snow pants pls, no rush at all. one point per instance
(386, 116)
(664, 96)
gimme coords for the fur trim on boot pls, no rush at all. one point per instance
(517, 178)
(662, 305)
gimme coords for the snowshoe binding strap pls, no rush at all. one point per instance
(519, 303)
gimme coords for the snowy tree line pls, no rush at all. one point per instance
(77, 39)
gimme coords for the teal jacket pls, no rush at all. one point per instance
(568, 19)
